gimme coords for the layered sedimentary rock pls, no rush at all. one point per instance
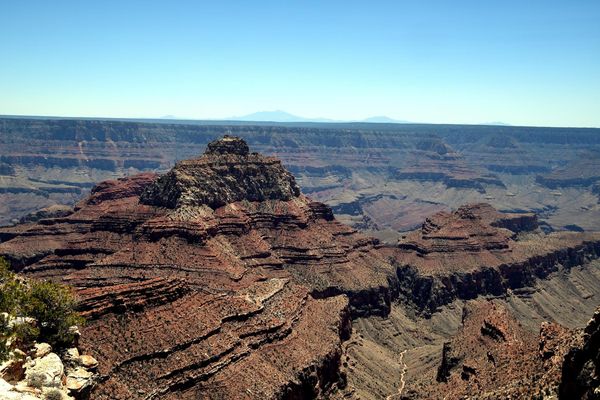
(219, 279)
(434, 161)
(494, 356)
(468, 229)
(470, 252)
(494, 349)
(216, 280)
(582, 171)
(388, 176)
(228, 173)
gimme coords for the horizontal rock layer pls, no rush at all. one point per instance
(470, 252)
(245, 300)
(187, 297)
(429, 167)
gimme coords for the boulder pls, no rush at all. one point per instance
(12, 370)
(88, 361)
(71, 357)
(78, 380)
(45, 371)
(41, 350)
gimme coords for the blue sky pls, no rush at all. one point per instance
(519, 62)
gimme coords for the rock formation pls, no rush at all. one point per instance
(226, 174)
(41, 373)
(393, 175)
(435, 161)
(217, 279)
(583, 171)
(470, 252)
(494, 356)
(581, 366)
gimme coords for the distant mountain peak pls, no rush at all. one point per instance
(271, 116)
(496, 123)
(284, 116)
(383, 119)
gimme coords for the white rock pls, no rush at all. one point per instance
(72, 353)
(49, 369)
(74, 330)
(5, 386)
(78, 379)
(42, 349)
(88, 361)
(8, 392)
(5, 366)
(16, 321)
(71, 357)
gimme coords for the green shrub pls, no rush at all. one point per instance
(52, 306)
(4, 350)
(36, 380)
(53, 394)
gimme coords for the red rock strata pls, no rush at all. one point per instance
(493, 355)
(433, 160)
(224, 282)
(220, 279)
(469, 252)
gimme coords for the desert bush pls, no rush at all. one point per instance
(4, 350)
(36, 380)
(51, 305)
(53, 394)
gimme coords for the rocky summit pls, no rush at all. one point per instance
(226, 173)
(220, 279)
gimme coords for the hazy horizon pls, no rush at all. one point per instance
(316, 120)
(534, 64)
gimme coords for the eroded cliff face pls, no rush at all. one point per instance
(219, 279)
(226, 174)
(378, 177)
(494, 356)
(581, 366)
(216, 280)
(477, 251)
(473, 287)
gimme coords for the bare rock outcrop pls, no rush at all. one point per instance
(226, 173)
(42, 373)
(216, 280)
(493, 356)
(581, 367)
(475, 251)
(219, 279)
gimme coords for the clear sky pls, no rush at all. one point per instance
(523, 62)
